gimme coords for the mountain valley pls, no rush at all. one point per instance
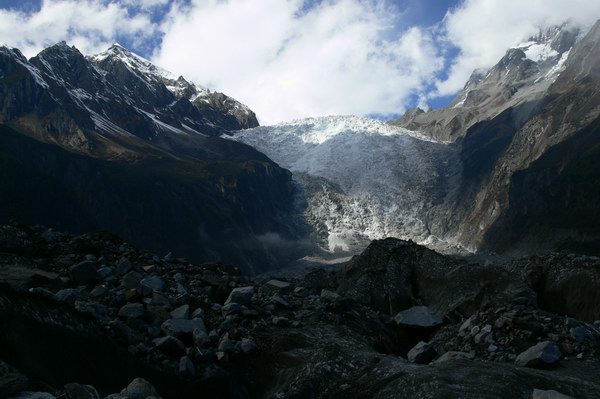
(156, 241)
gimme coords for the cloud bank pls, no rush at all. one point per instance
(89, 25)
(289, 59)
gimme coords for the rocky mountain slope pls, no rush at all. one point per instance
(518, 81)
(85, 316)
(548, 149)
(113, 142)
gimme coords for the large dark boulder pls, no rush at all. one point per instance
(393, 275)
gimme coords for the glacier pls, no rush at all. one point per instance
(362, 179)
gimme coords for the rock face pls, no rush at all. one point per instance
(296, 342)
(420, 317)
(421, 353)
(137, 144)
(544, 354)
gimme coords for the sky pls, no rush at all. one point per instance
(289, 59)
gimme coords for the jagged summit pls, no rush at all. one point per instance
(522, 76)
(146, 70)
(116, 94)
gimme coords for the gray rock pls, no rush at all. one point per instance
(241, 295)
(182, 312)
(170, 346)
(541, 355)
(11, 381)
(453, 355)
(123, 266)
(227, 345)
(281, 321)
(231, 308)
(186, 367)
(155, 283)
(131, 280)
(248, 346)
(329, 295)
(418, 317)
(139, 388)
(98, 291)
(69, 295)
(579, 333)
(105, 272)
(80, 391)
(33, 395)
(551, 394)
(181, 327)
(180, 278)
(84, 273)
(132, 310)
(198, 313)
(200, 337)
(280, 302)
(422, 353)
(278, 286)
(149, 268)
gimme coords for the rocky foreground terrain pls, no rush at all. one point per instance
(91, 316)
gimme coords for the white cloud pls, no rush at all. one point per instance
(285, 62)
(145, 4)
(90, 25)
(484, 29)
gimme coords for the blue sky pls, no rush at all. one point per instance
(289, 59)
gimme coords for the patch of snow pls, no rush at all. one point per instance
(556, 70)
(539, 52)
(164, 126)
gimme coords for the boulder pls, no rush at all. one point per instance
(69, 295)
(278, 286)
(155, 283)
(241, 295)
(11, 381)
(123, 266)
(186, 367)
(181, 327)
(84, 273)
(454, 355)
(139, 388)
(80, 391)
(198, 313)
(550, 394)
(421, 353)
(33, 395)
(280, 321)
(329, 295)
(182, 312)
(248, 346)
(131, 280)
(420, 317)
(170, 346)
(133, 310)
(544, 354)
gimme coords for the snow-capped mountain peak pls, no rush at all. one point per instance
(147, 71)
